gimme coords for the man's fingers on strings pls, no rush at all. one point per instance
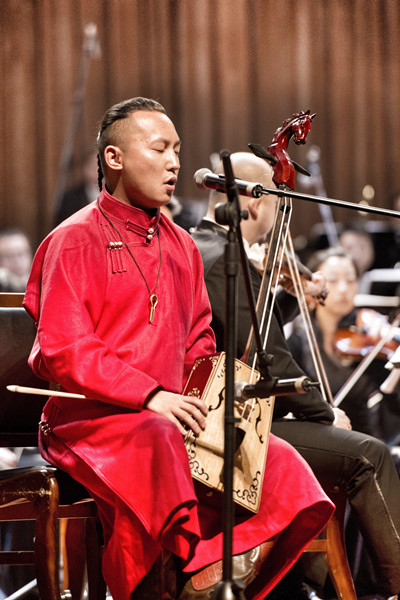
(192, 417)
(198, 403)
(194, 421)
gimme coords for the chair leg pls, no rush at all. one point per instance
(46, 563)
(336, 559)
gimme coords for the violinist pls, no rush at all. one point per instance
(345, 335)
(322, 434)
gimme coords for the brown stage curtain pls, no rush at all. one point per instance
(229, 72)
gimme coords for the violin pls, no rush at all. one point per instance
(285, 279)
(357, 341)
(283, 276)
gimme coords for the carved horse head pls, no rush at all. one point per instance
(297, 126)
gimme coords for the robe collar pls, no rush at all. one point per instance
(131, 218)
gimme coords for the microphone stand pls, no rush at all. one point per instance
(231, 215)
(229, 588)
(330, 201)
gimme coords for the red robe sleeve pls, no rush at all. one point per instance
(93, 335)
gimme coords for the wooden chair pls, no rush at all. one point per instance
(331, 543)
(41, 493)
(46, 494)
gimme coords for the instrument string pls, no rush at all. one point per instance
(309, 330)
(267, 295)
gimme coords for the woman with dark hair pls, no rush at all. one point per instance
(344, 334)
(342, 344)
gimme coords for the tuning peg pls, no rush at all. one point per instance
(300, 169)
(261, 152)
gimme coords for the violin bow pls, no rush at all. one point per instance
(310, 334)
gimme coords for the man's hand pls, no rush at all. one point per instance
(313, 288)
(187, 412)
(316, 286)
(341, 419)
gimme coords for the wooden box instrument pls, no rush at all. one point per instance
(206, 451)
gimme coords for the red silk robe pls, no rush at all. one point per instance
(90, 300)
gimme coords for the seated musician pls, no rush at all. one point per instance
(345, 335)
(321, 434)
(122, 312)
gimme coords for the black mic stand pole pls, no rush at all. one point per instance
(227, 589)
(230, 214)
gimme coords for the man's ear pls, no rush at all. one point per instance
(253, 207)
(112, 157)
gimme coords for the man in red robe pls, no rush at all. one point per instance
(122, 312)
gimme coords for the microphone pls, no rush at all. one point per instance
(278, 387)
(206, 179)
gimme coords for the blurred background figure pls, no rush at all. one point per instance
(15, 260)
(394, 204)
(190, 214)
(358, 243)
(375, 244)
(16, 256)
(85, 191)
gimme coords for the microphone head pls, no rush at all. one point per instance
(200, 175)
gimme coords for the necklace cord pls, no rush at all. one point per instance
(133, 258)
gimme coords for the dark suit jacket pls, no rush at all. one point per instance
(211, 240)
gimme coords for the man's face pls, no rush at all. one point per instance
(263, 223)
(149, 158)
(248, 167)
(266, 216)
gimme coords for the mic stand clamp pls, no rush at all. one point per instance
(227, 213)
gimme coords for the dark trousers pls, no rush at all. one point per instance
(362, 464)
